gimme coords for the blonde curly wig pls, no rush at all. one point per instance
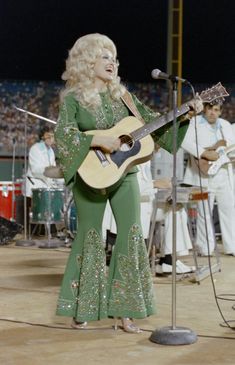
(79, 73)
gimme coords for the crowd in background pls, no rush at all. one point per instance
(43, 98)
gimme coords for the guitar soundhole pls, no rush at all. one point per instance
(126, 143)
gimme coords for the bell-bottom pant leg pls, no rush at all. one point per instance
(130, 291)
(83, 292)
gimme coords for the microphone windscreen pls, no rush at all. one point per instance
(155, 73)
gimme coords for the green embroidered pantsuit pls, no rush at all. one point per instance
(89, 290)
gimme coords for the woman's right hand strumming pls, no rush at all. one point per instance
(107, 144)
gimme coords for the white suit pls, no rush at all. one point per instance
(220, 186)
(40, 156)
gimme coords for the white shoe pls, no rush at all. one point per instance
(163, 269)
(181, 268)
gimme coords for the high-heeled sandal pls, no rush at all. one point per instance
(127, 325)
(78, 325)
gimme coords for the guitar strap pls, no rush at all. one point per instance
(128, 101)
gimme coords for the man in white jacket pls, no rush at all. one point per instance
(205, 134)
(41, 155)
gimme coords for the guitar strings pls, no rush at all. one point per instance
(221, 92)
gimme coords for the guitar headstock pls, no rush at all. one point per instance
(215, 93)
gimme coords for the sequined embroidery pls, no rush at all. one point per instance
(109, 113)
(70, 136)
(66, 305)
(89, 295)
(133, 291)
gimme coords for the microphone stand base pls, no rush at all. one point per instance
(25, 243)
(52, 243)
(173, 336)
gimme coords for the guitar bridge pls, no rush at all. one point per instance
(101, 156)
(105, 163)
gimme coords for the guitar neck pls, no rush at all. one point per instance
(216, 92)
(158, 123)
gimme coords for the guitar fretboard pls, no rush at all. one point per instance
(158, 123)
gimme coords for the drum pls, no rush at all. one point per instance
(8, 192)
(47, 205)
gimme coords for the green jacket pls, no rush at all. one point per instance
(73, 144)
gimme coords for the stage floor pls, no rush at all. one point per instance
(31, 334)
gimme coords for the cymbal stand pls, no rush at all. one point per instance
(26, 241)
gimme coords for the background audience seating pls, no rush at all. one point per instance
(43, 98)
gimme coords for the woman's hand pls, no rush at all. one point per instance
(107, 144)
(196, 106)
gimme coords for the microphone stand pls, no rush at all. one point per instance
(25, 242)
(173, 335)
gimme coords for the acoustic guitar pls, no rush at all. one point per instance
(100, 170)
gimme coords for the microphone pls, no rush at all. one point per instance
(158, 74)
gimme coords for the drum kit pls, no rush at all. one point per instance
(54, 206)
(49, 206)
(8, 193)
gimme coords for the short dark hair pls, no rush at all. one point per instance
(210, 105)
(43, 130)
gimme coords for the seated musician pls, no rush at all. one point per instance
(41, 155)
